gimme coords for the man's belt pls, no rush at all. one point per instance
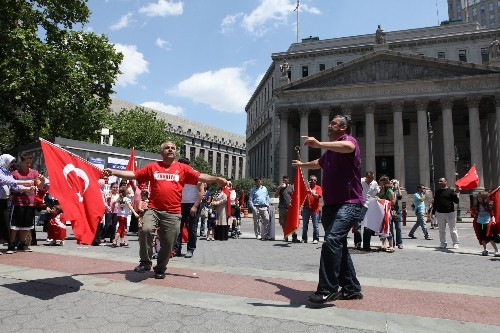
(261, 206)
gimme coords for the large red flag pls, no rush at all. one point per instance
(298, 196)
(469, 181)
(73, 181)
(495, 198)
(131, 165)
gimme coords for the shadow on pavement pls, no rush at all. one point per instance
(297, 298)
(46, 289)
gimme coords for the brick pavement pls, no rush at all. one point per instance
(247, 285)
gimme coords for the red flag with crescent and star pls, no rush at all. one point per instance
(470, 181)
(74, 183)
(131, 165)
(298, 197)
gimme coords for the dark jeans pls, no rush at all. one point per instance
(192, 226)
(109, 226)
(357, 227)
(4, 220)
(336, 268)
(134, 224)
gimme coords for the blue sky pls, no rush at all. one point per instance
(202, 59)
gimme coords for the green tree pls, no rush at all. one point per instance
(139, 128)
(56, 81)
(201, 165)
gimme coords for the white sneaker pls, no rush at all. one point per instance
(315, 241)
(455, 246)
(496, 254)
(259, 237)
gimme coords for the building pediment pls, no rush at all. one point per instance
(388, 66)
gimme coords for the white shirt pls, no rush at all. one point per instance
(232, 196)
(190, 193)
(369, 190)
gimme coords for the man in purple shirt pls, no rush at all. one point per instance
(343, 199)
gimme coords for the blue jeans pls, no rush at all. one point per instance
(306, 214)
(396, 223)
(336, 268)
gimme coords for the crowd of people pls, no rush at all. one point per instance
(160, 200)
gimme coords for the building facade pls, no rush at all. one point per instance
(223, 150)
(484, 12)
(425, 102)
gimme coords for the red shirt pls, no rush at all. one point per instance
(311, 202)
(166, 183)
(24, 199)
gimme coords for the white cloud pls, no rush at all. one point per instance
(228, 22)
(225, 90)
(163, 8)
(267, 15)
(123, 22)
(163, 44)
(132, 66)
(170, 109)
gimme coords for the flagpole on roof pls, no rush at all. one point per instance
(297, 10)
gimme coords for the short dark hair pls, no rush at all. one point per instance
(370, 173)
(184, 160)
(285, 177)
(256, 179)
(25, 156)
(345, 120)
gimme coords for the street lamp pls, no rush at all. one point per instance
(430, 132)
(457, 159)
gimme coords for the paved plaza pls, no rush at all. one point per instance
(247, 285)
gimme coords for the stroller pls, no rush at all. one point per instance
(236, 223)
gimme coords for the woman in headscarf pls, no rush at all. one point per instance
(7, 182)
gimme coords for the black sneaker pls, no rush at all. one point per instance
(142, 268)
(351, 295)
(320, 298)
(11, 249)
(159, 275)
(295, 240)
(412, 236)
(24, 248)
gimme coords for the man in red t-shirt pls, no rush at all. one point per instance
(167, 179)
(311, 210)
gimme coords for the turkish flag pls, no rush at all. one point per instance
(469, 181)
(73, 181)
(495, 198)
(227, 192)
(298, 196)
(131, 165)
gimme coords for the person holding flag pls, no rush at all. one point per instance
(167, 179)
(343, 199)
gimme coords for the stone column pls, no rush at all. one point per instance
(370, 136)
(399, 144)
(423, 143)
(448, 141)
(304, 131)
(325, 120)
(497, 107)
(476, 147)
(284, 162)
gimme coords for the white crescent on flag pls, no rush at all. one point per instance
(80, 173)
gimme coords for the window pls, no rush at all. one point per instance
(462, 55)
(192, 153)
(441, 55)
(485, 54)
(474, 11)
(202, 153)
(321, 67)
(211, 159)
(183, 150)
(406, 127)
(218, 164)
(490, 6)
(382, 128)
(305, 71)
(360, 129)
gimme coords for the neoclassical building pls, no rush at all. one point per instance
(423, 102)
(223, 150)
